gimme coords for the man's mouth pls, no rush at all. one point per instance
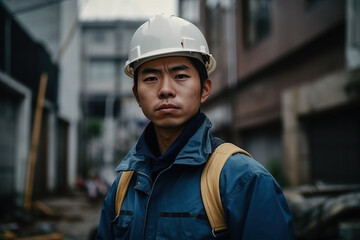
(167, 108)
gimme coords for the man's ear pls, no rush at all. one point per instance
(206, 90)
(134, 90)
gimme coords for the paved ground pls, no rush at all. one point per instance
(72, 217)
(77, 217)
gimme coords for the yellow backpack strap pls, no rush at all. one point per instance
(122, 189)
(210, 179)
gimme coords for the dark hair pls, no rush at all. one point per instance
(201, 70)
(199, 66)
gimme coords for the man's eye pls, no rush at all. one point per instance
(150, 79)
(181, 76)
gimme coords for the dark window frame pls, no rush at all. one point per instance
(257, 21)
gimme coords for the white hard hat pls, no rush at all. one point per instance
(163, 36)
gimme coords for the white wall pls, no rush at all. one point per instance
(22, 133)
(69, 80)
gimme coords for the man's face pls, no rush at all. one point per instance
(169, 91)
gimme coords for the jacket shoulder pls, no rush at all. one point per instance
(241, 170)
(243, 165)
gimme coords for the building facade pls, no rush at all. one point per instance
(40, 37)
(286, 84)
(112, 120)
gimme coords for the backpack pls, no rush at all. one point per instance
(210, 191)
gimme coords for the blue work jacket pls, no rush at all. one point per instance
(170, 206)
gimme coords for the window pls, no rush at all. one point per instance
(124, 39)
(257, 21)
(101, 35)
(102, 71)
(353, 35)
(354, 23)
(97, 36)
(213, 23)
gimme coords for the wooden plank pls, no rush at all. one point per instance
(34, 142)
(44, 208)
(51, 236)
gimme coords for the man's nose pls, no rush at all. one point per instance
(167, 88)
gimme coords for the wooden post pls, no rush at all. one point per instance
(34, 142)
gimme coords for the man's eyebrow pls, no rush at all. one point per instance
(150, 70)
(172, 69)
(179, 68)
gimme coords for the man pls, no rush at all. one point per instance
(170, 62)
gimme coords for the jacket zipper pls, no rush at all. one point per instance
(148, 202)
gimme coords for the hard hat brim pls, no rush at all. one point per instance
(209, 64)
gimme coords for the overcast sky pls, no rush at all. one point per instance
(125, 9)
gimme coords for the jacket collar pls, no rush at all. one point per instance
(195, 152)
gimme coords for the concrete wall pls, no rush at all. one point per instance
(19, 97)
(308, 99)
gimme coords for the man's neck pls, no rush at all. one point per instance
(166, 136)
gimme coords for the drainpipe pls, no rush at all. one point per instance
(231, 51)
(230, 33)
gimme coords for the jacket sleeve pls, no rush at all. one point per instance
(256, 208)
(107, 214)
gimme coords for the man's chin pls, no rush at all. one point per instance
(169, 124)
